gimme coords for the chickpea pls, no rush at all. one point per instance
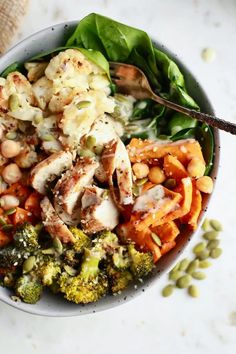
(205, 184)
(140, 170)
(9, 201)
(10, 148)
(11, 173)
(196, 168)
(156, 175)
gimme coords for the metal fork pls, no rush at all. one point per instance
(132, 81)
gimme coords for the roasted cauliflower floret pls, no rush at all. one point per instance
(69, 69)
(35, 70)
(79, 116)
(47, 130)
(42, 90)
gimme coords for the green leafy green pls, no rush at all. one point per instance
(11, 68)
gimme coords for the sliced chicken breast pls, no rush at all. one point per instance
(116, 161)
(98, 210)
(53, 224)
(49, 169)
(69, 188)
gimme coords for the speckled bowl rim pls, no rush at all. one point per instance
(55, 306)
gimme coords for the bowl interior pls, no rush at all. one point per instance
(51, 305)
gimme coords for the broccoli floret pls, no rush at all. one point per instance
(28, 288)
(9, 279)
(90, 284)
(48, 271)
(107, 242)
(81, 240)
(10, 257)
(26, 237)
(120, 258)
(118, 279)
(141, 262)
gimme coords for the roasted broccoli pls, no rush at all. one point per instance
(26, 237)
(10, 256)
(120, 258)
(81, 240)
(118, 279)
(141, 262)
(90, 284)
(48, 270)
(28, 288)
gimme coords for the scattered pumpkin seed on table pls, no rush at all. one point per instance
(216, 252)
(193, 291)
(211, 235)
(185, 270)
(184, 264)
(216, 225)
(168, 290)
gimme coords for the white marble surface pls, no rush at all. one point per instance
(151, 324)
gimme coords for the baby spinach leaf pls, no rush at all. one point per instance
(115, 40)
(11, 68)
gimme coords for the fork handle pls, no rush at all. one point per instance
(202, 117)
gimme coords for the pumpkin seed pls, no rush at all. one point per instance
(192, 266)
(11, 135)
(13, 102)
(2, 222)
(216, 252)
(175, 275)
(7, 227)
(105, 194)
(86, 153)
(57, 245)
(170, 183)
(213, 244)
(168, 290)
(203, 255)
(176, 267)
(216, 225)
(71, 271)
(204, 264)
(136, 190)
(83, 104)
(156, 239)
(199, 247)
(90, 142)
(10, 211)
(198, 275)
(48, 137)
(48, 251)
(210, 235)
(141, 181)
(184, 264)
(193, 291)
(28, 264)
(98, 149)
(206, 225)
(38, 119)
(184, 281)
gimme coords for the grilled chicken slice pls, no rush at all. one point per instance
(71, 220)
(69, 188)
(98, 210)
(48, 169)
(53, 224)
(116, 162)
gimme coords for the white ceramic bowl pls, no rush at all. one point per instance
(52, 305)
